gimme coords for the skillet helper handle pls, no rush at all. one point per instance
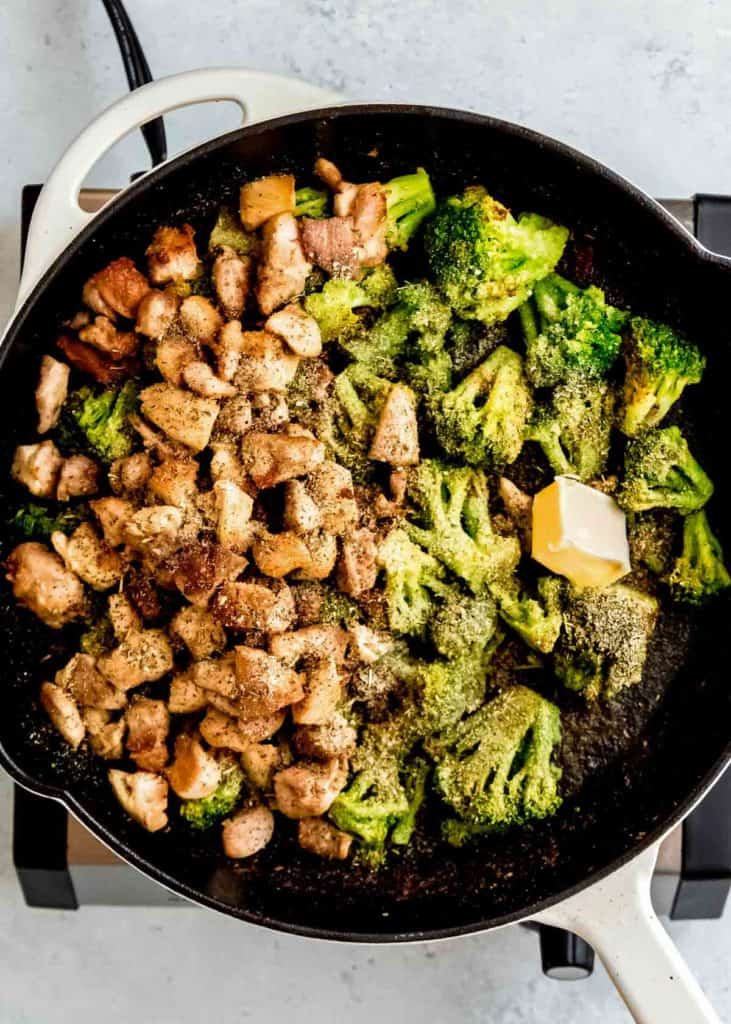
(616, 917)
(58, 216)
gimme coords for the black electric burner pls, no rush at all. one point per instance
(60, 865)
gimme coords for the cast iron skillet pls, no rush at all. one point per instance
(632, 768)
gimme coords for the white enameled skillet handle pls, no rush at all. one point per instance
(58, 216)
(616, 917)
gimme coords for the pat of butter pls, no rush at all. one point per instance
(580, 533)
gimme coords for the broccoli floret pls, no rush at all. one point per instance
(651, 537)
(379, 286)
(310, 202)
(413, 577)
(699, 572)
(660, 363)
(482, 420)
(337, 609)
(409, 200)
(569, 331)
(452, 523)
(96, 422)
(98, 638)
(537, 620)
(229, 232)
(463, 622)
(574, 431)
(660, 472)
(484, 260)
(381, 346)
(603, 646)
(38, 522)
(208, 810)
(334, 305)
(347, 419)
(469, 342)
(495, 769)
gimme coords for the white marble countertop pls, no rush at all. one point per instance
(645, 85)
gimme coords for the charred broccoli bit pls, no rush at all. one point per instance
(660, 363)
(96, 422)
(537, 620)
(414, 782)
(310, 202)
(574, 430)
(228, 232)
(413, 578)
(603, 646)
(569, 331)
(699, 572)
(209, 810)
(334, 305)
(484, 260)
(98, 638)
(409, 200)
(651, 537)
(482, 420)
(660, 472)
(462, 623)
(338, 609)
(451, 521)
(496, 769)
(38, 522)
(469, 342)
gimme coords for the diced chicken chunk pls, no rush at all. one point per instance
(331, 243)
(269, 410)
(148, 724)
(195, 773)
(323, 692)
(129, 476)
(260, 761)
(328, 172)
(301, 513)
(174, 482)
(201, 379)
(324, 840)
(103, 335)
(310, 642)
(265, 363)
(116, 289)
(270, 459)
(172, 255)
(143, 795)
(254, 606)
(185, 696)
(277, 554)
(199, 631)
(78, 478)
(62, 710)
(233, 509)
(173, 354)
(224, 731)
(90, 557)
(122, 615)
(298, 329)
(37, 467)
(156, 312)
(247, 832)
(283, 268)
(330, 739)
(96, 364)
(231, 274)
(266, 684)
(368, 646)
(330, 486)
(184, 417)
(369, 214)
(154, 531)
(81, 679)
(396, 439)
(142, 657)
(51, 391)
(42, 583)
(200, 319)
(227, 349)
(308, 790)
(105, 735)
(225, 464)
(357, 569)
(264, 198)
(202, 567)
(323, 552)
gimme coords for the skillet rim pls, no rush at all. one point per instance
(15, 326)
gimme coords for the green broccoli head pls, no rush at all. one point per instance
(574, 430)
(310, 202)
(409, 200)
(97, 422)
(698, 573)
(228, 232)
(334, 305)
(537, 620)
(38, 522)
(463, 622)
(496, 769)
(603, 647)
(98, 638)
(660, 363)
(347, 419)
(660, 472)
(413, 579)
(484, 260)
(209, 810)
(482, 420)
(569, 331)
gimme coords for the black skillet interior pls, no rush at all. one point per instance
(649, 755)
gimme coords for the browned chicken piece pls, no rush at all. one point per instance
(369, 215)
(112, 514)
(283, 268)
(397, 483)
(174, 482)
(396, 439)
(330, 486)
(217, 675)
(323, 552)
(199, 631)
(42, 583)
(143, 795)
(96, 364)
(270, 459)
(105, 735)
(172, 255)
(51, 391)
(117, 289)
(329, 173)
(78, 478)
(277, 554)
(129, 476)
(322, 693)
(311, 642)
(156, 312)
(78, 320)
(140, 587)
(103, 335)
(357, 569)
(200, 319)
(37, 467)
(154, 531)
(260, 761)
(148, 724)
(307, 790)
(235, 416)
(247, 832)
(332, 738)
(266, 684)
(269, 410)
(299, 330)
(265, 363)
(519, 507)
(62, 710)
(231, 275)
(264, 198)
(233, 509)
(201, 379)
(172, 355)
(81, 679)
(195, 773)
(255, 606)
(225, 731)
(225, 464)
(202, 567)
(227, 349)
(301, 514)
(144, 656)
(186, 697)
(368, 646)
(185, 418)
(122, 615)
(331, 243)
(324, 840)
(90, 557)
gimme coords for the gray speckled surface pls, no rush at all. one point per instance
(646, 87)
